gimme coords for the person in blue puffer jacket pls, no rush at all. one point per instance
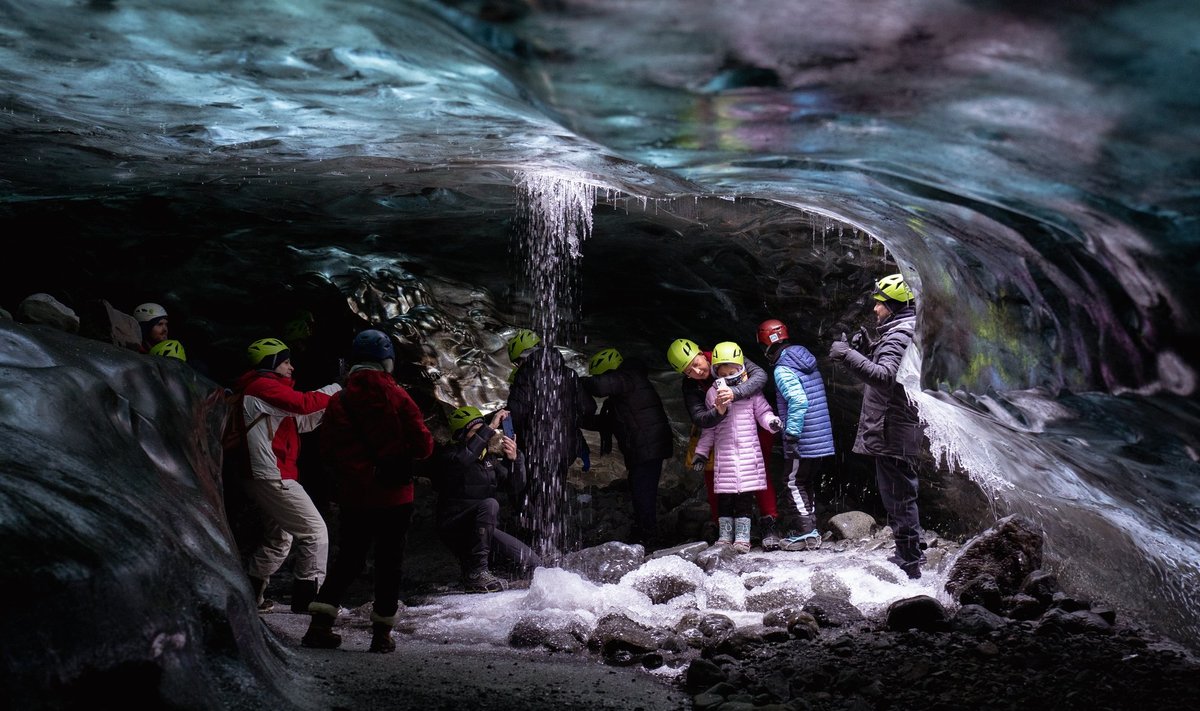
(807, 431)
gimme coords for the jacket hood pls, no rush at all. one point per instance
(901, 317)
(798, 358)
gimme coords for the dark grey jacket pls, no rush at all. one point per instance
(889, 424)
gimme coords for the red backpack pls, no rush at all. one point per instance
(235, 462)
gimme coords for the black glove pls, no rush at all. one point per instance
(775, 424)
(859, 338)
(790, 443)
(839, 348)
(699, 462)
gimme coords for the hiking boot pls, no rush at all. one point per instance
(896, 560)
(482, 581)
(810, 541)
(320, 634)
(770, 536)
(381, 634)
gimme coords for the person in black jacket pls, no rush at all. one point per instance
(633, 412)
(468, 474)
(547, 405)
(889, 428)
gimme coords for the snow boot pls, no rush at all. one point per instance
(725, 530)
(303, 592)
(810, 541)
(741, 534)
(381, 634)
(320, 634)
(770, 534)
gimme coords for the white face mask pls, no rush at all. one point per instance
(730, 380)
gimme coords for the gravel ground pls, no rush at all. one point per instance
(425, 675)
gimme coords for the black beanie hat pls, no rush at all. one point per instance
(272, 361)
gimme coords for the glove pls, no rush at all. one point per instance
(790, 443)
(859, 338)
(775, 424)
(839, 349)
(699, 462)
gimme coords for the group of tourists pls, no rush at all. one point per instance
(734, 428)
(372, 434)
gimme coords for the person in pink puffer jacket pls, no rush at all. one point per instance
(740, 470)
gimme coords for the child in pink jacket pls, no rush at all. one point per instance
(739, 469)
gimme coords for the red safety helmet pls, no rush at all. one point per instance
(771, 331)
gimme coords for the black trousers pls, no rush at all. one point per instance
(643, 488)
(469, 529)
(385, 529)
(897, 481)
(736, 505)
(799, 510)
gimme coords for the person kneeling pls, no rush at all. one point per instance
(469, 472)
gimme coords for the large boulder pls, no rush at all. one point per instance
(1003, 556)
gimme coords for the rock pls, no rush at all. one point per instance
(976, 620)
(1024, 607)
(802, 625)
(704, 674)
(982, 590)
(687, 551)
(1008, 551)
(605, 563)
(921, 612)
(616, 631)
(563, 634)
(1041, 585)
(774, 598)
(663, 579)
(832, 611)
(46, 310)
(852, 525)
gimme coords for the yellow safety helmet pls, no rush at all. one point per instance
(727, 352)
(893, 287)
(522, 340)
(604, 361)
(462, 417)
(267, 347)
(170, 348)
(681, 353)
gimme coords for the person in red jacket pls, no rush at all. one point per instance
(275, 414)
(372, 433)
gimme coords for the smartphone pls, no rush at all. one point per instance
(507, 425)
